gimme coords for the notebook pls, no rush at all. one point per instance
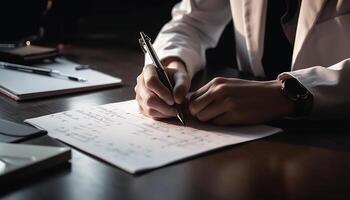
(24, 86)
(120, 135)
(19, 161)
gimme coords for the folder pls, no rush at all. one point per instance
(24, 86)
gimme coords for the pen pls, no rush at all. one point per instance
(7, 45)
(41, 71)
(146, 46)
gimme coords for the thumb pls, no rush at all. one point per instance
(182, 86)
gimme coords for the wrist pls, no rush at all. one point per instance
(284, 105)
(175, 63)
(173, 60)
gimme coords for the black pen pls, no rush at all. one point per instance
(146, 47)
(41, 71)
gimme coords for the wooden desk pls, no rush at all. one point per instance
(308, 161)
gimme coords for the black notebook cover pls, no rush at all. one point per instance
(11, 132)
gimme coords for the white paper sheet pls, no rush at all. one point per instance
(120, 135)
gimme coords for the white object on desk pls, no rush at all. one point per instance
(120, 135)
(22, 85)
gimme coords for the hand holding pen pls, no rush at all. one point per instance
(160, 90)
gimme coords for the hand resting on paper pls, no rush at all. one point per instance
(235, 101)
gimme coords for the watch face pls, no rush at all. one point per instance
(297, 93)
(294, 88)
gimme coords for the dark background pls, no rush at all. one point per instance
(96, 22)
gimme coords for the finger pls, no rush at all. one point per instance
(181, 87)
(198, 104)
(152, 82)
(200, 91)
(150, 100)
(140, 91)
(140, 109)
(213, 110)
(152, 113)
(214, 82)
(138, 97)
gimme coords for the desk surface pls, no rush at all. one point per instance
(308, 160)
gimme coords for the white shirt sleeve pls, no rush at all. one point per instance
(329, 87)
(196, 25)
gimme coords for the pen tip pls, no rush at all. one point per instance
(182, 120)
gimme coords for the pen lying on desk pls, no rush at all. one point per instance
(146, 46)
(41, 71)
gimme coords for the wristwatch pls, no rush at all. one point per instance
(298, 94)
